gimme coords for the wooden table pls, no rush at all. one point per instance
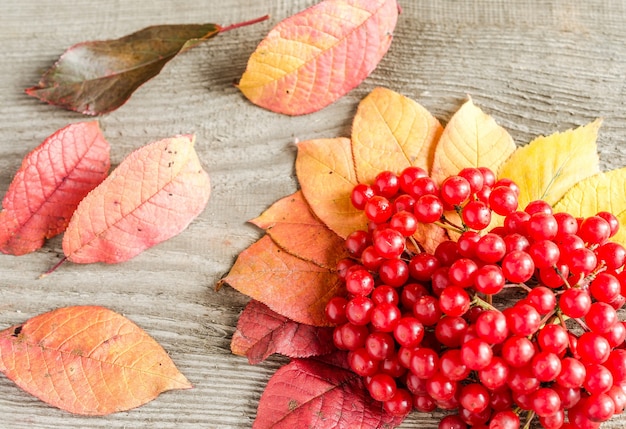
(536, 66)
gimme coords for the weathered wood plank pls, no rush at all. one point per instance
(537, 66)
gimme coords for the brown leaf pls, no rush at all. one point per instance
(292, 225)
(262, 332)
(99, 76)
(51, 182)
(290, 286)
(87, 360)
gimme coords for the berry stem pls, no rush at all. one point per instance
(482, 303)
(529, 418)
(446, 224)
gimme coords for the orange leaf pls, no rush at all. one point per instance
(151, 196)
(325, 170)
(430, 236)
(87, 360)
(471, 139)
(392, 132)
(292, 287)
(290, 223)
(49, 185)
(318, 55)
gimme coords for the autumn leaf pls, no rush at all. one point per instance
(311, 59)
(391, 132)
(325, 170)
(50, 183)
(548, 166)
(290, 223)
(290, 286)
(97, 77)
(150, 197)
(602, 192)
(87, 360)
(320, 393)
(262, 332)
(471, 139)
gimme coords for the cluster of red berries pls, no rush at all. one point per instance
(423, 330)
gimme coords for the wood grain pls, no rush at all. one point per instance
(537, 66)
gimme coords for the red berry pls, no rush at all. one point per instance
(359, 282)
(404, 222)
(408, 332)
(490, 248)
(428, 208)
(489, 178)
(336, 310)
(538, 206)
(489, 279)
(408, 175)
(575, 303)
(518, 266)
(455, 190)
(503, 200)
(360, 195)
(382, 387)
(594, 230)
(541, 226)
(386, 183)
(476, 215)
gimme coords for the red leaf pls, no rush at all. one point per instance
(262, 332)
(322, 394)
(51, 182)
(87, 360)
(313, 58)
(150, 197)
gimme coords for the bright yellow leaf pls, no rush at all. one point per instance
(471, 139)
(392, 132)
(326, 173)
(548, 166)
(602, 192)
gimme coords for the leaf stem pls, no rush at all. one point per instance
(54, 267)
(244, 23)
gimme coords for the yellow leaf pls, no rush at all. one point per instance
(548, 166)
(471, 139)
(325, 170)
(392, 132)
(602, 192)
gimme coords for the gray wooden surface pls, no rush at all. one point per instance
(536, 66)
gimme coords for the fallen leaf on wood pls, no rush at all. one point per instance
(87, 360)
(321, 393)
(311, 59)
(292, 225)
(547, 167)
(150, 197)
(51, 182)
(290, 286)
(262, 332)
(97, 77)
(392, 132)
(601, 192)
(325, 169)
(472, 138)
